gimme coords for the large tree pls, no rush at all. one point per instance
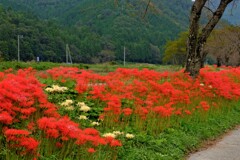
(198, 36)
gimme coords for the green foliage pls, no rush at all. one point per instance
(38, 66)
(177, 143)
(96, 30)
(175, 51)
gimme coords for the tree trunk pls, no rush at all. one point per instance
(196, 41)
(193, 63)
(219, 61)
(227, 59)
(203, 59)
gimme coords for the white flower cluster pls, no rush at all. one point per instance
(115, 134)
(82, 117)
(109, 135)
(95, 123)
(129, 136)
(56, 88)
(201, 84)
(68, 104)
(83, 107)
(118, 133)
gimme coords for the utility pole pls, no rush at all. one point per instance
(19, 36)
(68, 54)
(124, 56)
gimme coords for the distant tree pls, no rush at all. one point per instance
(1, 56)
(224, 46)
(175, 51)
(155, 53)
(106, 56)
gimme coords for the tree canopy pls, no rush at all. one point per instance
(175, 51)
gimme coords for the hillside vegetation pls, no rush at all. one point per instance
(40, 38)
(98, 30)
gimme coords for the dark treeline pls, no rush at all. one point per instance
(96, 31)
(44, 39)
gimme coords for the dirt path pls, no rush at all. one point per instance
(228, 148)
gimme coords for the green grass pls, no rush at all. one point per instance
(176, 143)
(38, 66)
(109, 67)
(98, 68)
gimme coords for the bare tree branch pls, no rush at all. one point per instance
(209, 9)
(145, 12)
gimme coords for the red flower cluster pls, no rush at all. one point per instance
(166, 94)
(18, 139)
(64, 129)
(23, 101)
(5, 118)
(129, 94)
(22, 96)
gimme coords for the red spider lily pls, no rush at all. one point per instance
(99, 141)
(188, 112)
(91, 131)
(205, 105)
(165, 93)
(2, 75)
(178, 111)
(30, 144)
(23, 100)
(81, 139)
(65, 129)
(21, 139)
(46, 123)
(8, 70)
(31, 126)
(52, 133)
(5, 118)
(91, 150)
(22, 106)
(127, 111)
(13, 132)
(164, 112)
(59, 145)
(113, 142)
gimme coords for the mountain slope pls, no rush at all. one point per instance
(44, 39)
(113, 26)
(231, 13)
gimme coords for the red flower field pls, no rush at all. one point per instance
(55, 118)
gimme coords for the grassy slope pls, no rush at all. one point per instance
(176, 143)
(99, 68)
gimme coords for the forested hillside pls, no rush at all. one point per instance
(38, 40)
(43, 39)
(98, 29)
